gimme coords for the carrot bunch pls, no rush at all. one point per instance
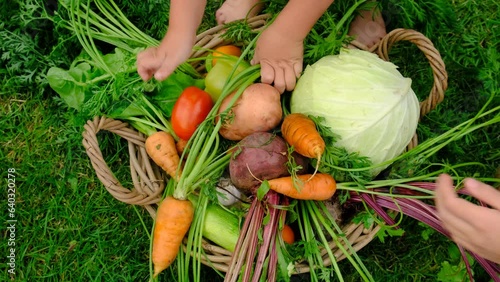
(175, 213)
(300, 132)
(174, 216)
(177, 217)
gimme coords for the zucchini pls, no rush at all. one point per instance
(221, 227)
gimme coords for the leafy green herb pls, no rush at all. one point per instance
(239, 31)
(69, 84)
(329, 34)
(427, 232)
(96, 83)
(388, 231)
(85, 77)
(451, 273)
(454, 270)
(337, 161)
(126, 109)
(364, 217)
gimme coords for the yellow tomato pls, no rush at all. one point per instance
(225, 50)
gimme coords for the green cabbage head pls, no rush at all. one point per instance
(364, 99)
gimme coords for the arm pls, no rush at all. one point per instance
(176, 46)
(186, 16)
(474, 227)
(299, 16)
(280, 47)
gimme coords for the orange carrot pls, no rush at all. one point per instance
(318, 186)
(300, 132)
(173, 219)
(160, 146)
(180, 146)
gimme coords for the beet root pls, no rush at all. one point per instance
(260, 156)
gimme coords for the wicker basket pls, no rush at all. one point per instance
(149, 181)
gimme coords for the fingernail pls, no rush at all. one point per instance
(158, 76)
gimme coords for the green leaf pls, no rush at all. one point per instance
(119, 61)
(338, 160)
(71, 91)
(451, 273)
(126, 109)
(266, 219)
(81, 72)
(388, 231)
(427, 231)
(263, 189)
(364, 217)
(456, 255)
(283, 265)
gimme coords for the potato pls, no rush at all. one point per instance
(259, 156)
(257, 109)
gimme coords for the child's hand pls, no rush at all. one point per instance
(280, 58)
(474, 227)
(161, 61)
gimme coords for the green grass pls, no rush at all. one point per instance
(69, 228)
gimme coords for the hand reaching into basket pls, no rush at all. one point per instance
(279, 50)
(161, 61)
(474, 227)
(280, 58)
(176, 46)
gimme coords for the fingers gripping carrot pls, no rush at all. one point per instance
(173, 220)
(319, 186)
(300, 132)
(161, 147)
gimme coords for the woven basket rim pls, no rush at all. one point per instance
(149, 181)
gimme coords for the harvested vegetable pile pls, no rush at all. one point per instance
(233, 127)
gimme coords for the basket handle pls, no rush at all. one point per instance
(440, 75)
(146, 177)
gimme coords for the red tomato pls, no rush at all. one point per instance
(190, 110)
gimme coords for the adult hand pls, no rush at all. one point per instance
(280, 58)
(474, 227)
